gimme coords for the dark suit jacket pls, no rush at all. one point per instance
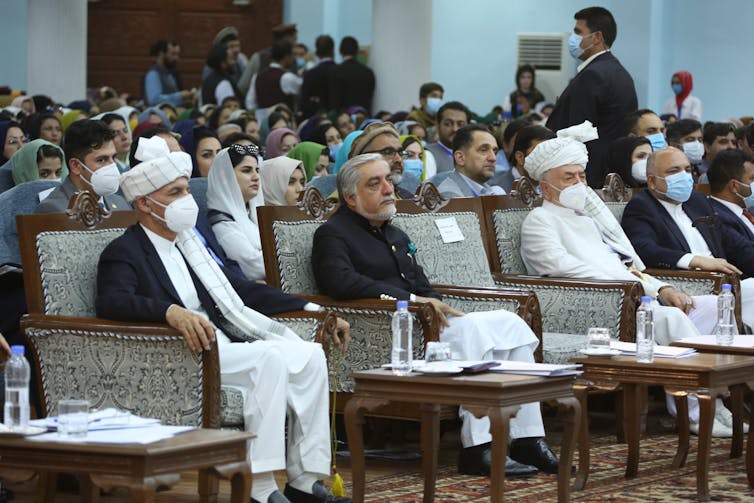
(353, 260)
(353, 84)
(133, 285)
(57, 201)
(603, 93)
(317, 87)
(660, 243)
(730, 219)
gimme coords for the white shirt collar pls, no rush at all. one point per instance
(736, 209)
(671, 208)
(161, 244)
(589, 60)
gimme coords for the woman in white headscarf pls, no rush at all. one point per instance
(233, 194)
(283, 179)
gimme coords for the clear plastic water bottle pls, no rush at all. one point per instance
(16, 411)
(402, 355)
(645, 332)
(726, 317)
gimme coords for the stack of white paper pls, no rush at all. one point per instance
(739, 341)
(629, 349)
(112, 426)
(537, 369)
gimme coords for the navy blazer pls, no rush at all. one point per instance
(660, 243)
(133, 285)
(353, 260)
(603, 93)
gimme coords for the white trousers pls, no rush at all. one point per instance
(499, 335)
(672, 324)
(271, 386)
(747, 302)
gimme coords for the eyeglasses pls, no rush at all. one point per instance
(251, 150)
(389, 153)
(15, 140)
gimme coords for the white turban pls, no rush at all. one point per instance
(567, 148)
(158, 168)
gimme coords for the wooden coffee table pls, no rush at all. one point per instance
(707, 375)
(498, 396)
(139, 467)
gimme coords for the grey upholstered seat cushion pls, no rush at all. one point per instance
(508, 238)
(463, 263)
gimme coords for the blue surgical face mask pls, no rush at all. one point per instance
(300, 62)
(574, 46)
(334, 149)
(694, 150)
(413, 167)
(677, 88)
(433, 105)
(748, 200)
(679, 185)
(657, 140)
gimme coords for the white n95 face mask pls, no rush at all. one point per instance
(180, 215)
(105, 181)
(573, 197)
(639, 170)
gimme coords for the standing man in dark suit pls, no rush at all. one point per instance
(602, 92)
(316, 90)
(90, 155)
(672, 227)
(353, 83)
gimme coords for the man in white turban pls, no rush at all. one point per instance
(573, 234)
(159, 271)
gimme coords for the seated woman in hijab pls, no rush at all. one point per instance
(38, 160)
(202, 144)
(232, 198)
(280, 141)
(316, 158)
(45, 125)
(283, 179)
(628, 157)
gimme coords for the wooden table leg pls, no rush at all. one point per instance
(208, 486)
(499, 429)
(88, 492)
(706, 416)
(737, 409)
(47, 486)
(571, 431)
(240, 486)
(682, 422)
(631, 403)
(430, 441)
(353, 416)
(142, 494)
(583, 470)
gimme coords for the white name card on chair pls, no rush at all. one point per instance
(449, 230)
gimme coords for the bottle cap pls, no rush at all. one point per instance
(402, 304)
(726, 287)
(17, 350)
(646, 298)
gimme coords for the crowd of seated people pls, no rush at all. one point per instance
(262, 128)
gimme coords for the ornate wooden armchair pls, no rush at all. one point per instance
(287, 233)
(140, 367)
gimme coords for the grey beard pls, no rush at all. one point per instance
(397, 179)
(379, 217)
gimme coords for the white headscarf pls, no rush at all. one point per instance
(224, 194)
(275, 176)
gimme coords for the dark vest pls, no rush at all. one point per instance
(268, 88)
(210, 84)
(167, 81)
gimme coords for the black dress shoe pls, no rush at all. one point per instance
(534, 451)
(319, 494)
(477, 460)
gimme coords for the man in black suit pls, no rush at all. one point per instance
(672, 227)
(358, 253)
(158, 271)
(317, 85)
(602, 92)
(353, 82)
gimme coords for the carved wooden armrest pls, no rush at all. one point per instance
(528, 305)
(423, 311)
(327, 321)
